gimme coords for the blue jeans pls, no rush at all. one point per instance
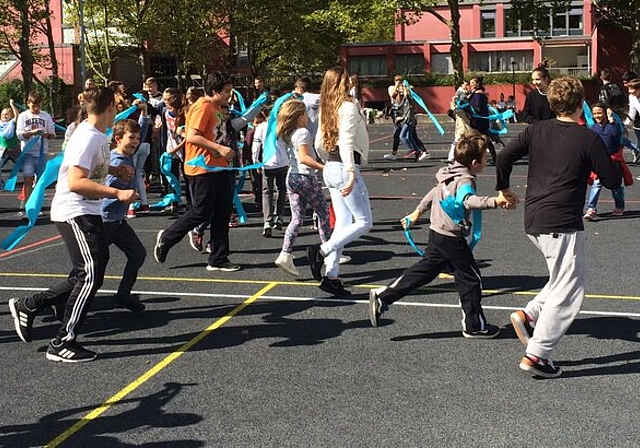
(594, 194)
(353, 213)
(408, 137)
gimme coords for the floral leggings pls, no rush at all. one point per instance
(303, 190)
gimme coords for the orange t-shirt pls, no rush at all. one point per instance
(203, 116)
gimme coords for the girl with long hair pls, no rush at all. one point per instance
(342, 134)
(303, 186)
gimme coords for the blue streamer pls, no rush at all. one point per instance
(35, 201)
(243, 107)
(271, 140)
(242, 215)
(418, 100)
(412, 243)
(166, 161)
(10, 184)
(454, 208)
(588, 116)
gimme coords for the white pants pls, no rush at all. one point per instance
(557, 305)
(353, 214)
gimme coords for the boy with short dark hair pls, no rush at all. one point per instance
(126, 136)
(450, 202)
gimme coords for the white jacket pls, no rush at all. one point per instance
(352, 137)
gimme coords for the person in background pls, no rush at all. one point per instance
(536, 105)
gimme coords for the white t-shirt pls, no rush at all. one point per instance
(30, 122)
(300, 136)
(87, 148)
(312, 103)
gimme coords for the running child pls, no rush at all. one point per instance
(447, 238)
(303, 186)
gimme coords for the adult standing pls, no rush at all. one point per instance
(75, 209)
(479, 104)
(396, 95)
(536, 105)
(342, 135)
(561, 155)
(211, 191)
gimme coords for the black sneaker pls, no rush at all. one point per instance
(316, 260)
(226, 266)
(540, 367)
(62, 351)
(132, 303)
(520, 323)
(376, 307)
(160, 250)
(335, 287)
(22, 318)
(490, 332)
(195, 240)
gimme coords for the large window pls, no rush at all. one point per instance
(564, 23)
(489, 23)
(368, 65)
(501, 61)
(410, 64)
(441, 63)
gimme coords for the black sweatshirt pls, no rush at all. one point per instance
(536, 107)
(561, 157)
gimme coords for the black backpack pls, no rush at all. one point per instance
(611, 95)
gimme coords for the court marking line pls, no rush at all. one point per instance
(88, 418)
(486, 292)
(29, 246)
(331, 299)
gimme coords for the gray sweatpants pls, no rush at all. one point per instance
(558, 303)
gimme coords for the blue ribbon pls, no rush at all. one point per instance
(242, 215)
(10, 184)
(418, 100)
(588, 116)
(35, 201)
(502, 117)
(454, 208)
(270, 139)
(166, 161)
(412, 243)
(243, 107)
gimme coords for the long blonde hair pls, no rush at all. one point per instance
(288, 116)
(334, 92)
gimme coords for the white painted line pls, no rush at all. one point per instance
(325, 299)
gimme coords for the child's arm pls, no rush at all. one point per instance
(474, 202)
(306, 159)
(15, 110)
(423, 206)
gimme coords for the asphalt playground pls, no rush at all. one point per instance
(256, 358)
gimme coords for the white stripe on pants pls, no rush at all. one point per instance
(557, 305)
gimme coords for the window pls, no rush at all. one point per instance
(410, 64)
(575, 22)
(500, 61)
(441, 63)
(368, 65)
(488, 23)
(562, 24)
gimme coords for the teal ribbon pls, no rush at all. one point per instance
(418, 100)
(588, 116)
(10, 184)
(121, 116)
(502, 117)
(166, 161)
(412, 243)
(454, 208)
(243, 107)
(270, 139)
(35, 201)
(242, 215)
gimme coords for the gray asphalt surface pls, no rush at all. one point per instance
(275, 362)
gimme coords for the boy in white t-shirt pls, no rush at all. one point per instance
(75, 209)
(34, 122)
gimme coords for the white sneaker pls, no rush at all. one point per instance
(344, 259)
(424, 156)
(285, 263)
(389, 156)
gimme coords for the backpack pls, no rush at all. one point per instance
(611, 95)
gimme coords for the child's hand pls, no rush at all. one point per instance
(507, 199)
(408, 220)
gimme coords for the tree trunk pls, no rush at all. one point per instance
(456, 43)
(26, 57)
(55, 80)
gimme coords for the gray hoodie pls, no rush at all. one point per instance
(450, 178)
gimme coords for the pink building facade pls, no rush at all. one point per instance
(574, 43)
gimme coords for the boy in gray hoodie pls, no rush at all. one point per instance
(450, 202)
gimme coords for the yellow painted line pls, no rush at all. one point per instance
(154, 370)
(486, 292)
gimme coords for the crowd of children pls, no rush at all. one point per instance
(167, 129)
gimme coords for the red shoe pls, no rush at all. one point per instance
(144, 209)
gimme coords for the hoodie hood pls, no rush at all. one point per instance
(448, 173)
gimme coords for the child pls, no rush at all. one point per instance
(8, 139)
(610, 132)
(31, 123)
(447, 243)
(116, 230)
(303, 186)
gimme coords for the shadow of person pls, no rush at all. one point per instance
(145, 411)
